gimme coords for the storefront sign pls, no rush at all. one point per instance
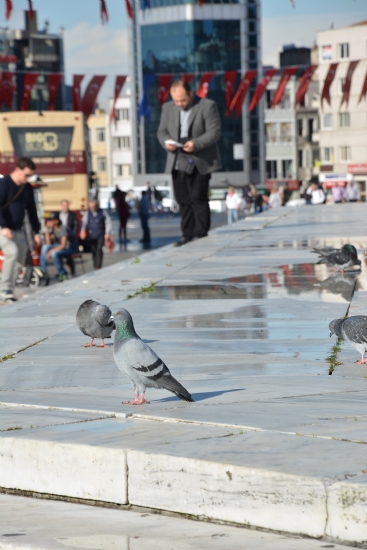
(291, 185)
(357, 168)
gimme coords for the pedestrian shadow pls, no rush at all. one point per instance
(200, 396)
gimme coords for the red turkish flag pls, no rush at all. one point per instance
(204, 84)
(91, 93)
(348, 82)
(261, 87)
(241, 93)
(328, 81)
(119, 83)
(54, 81)
(129, 9)
(229, 82)
(104, 12)
(164, 87)
(304, 84)
(201, 2)
(187, 77)
(77, 79)
(7, 88)
(363, 91)
(30, 10)
(29, 81)
(287, 73)
(8, 9)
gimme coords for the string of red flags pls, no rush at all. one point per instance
(77, 80)
(284, 79)
(129, 9)
(364, 90)
(104, 12)
(91, 93)
(119, 84)
(8, 9)
(29, 81)
(239, 98)
(304, 84)
(203, 88)
(187, 77)
(327, 83)
(229, 84)
(348, 82)
(54, 81)
(261, 87)
(7, 88)
(164, 84)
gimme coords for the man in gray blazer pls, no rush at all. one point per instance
(193, 122)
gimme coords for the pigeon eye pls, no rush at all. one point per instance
(118, 313)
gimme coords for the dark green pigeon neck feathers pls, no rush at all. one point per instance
(124, 329)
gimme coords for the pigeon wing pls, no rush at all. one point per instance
(84, 316)
(338, 258)
(355, 329)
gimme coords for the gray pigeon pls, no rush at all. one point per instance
(139, 362)
(345, 257)
(96, 321)
(354, 331)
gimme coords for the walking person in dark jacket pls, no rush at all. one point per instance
(99, 226)
(16, 197)
(144, 207)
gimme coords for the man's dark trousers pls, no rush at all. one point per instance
(145, 227)
(191, 192)
(97, 252)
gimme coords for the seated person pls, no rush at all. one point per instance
(60, 243)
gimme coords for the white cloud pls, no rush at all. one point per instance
(300, 30)
(94, 50)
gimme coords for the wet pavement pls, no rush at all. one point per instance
(241, 319)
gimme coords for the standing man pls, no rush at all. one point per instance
(99, 226)
(68, 218)
(144, 207)
(16, 197)
(193, 122)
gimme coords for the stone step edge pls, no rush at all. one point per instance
(250, 497)
(134, 416)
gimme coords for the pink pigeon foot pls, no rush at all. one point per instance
(90, 345)
(103, 345)
(141, 400)
(361, 361)
(136, 400)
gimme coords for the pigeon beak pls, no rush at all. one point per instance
(330, 334)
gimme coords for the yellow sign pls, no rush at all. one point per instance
(35, 142)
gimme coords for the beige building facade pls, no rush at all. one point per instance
(100, 144)
(343, 128)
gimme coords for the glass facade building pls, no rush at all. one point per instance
(177, 37)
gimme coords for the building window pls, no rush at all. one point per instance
(254, 137)
(328, 154)
(122, 114)
(285, 132)
(300, 158)
(287, 168)
(120, 143)
(343, 50)
(315, 157)
(300, 127)
(327, 120)
(271, 169)
(344, 120)
(123, 170)
(310, 122)
(326, 52)
(101, 135)
(341, 84)
(101, 164)
(271, 132)
(344, 153)
(252, 26)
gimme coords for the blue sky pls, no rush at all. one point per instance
(91, 48)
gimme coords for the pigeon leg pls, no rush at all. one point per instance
(90, 345)
(362, 361)
(141, 401)
(103, 345)
(136, 400)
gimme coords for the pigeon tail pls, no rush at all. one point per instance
(171, 384)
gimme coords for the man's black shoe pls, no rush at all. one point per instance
(182, 241)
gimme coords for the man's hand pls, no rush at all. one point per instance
(7, 233)
(83, 235)
(170, 147)
(106, 237)
(189, 147)
(38, 240)
(48, 256)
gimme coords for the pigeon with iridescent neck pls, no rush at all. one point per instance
(140, 363)
(96, 321)
(341, 258)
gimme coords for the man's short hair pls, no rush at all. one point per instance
(181, 84)
(25, 162)
(65, 200)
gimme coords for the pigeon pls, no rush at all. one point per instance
(96, 321)
(340, 283)
(343, 258)
(140, 363)
(354, 331)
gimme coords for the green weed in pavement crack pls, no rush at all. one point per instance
(9, 356)
(143, 290)
(333, 358)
